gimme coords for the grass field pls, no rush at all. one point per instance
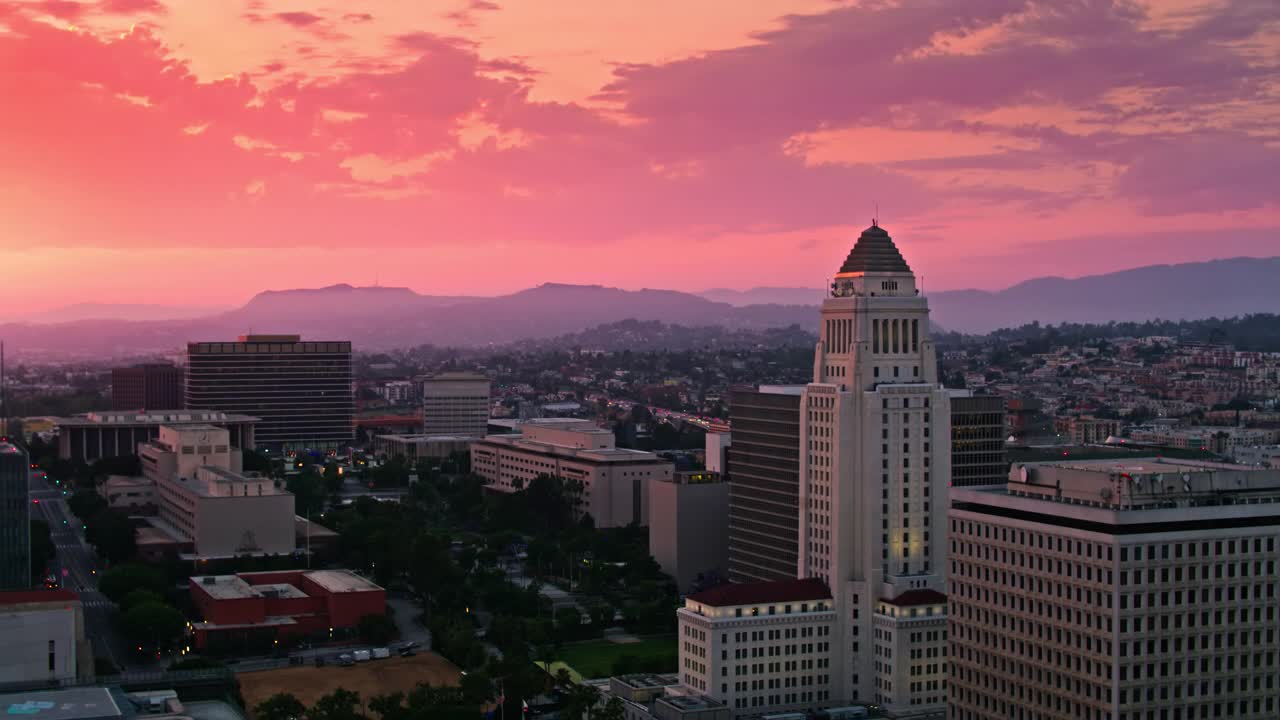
(377, 677)
(595, 658)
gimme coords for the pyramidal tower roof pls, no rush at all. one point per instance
(874, 252)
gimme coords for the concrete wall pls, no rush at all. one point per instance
(222, 524)
(689, 529)
(27, 632)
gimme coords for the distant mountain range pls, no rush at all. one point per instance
(109, 311)
(378, 318)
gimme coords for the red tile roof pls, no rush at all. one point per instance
(917, 597)
(764, 592)
(21, 597)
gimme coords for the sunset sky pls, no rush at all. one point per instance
(198, 151)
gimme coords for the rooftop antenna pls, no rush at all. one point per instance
(875, 221)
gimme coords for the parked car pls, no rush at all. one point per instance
(345, 660)
(407, 652)
(361, 655)
(380, 653)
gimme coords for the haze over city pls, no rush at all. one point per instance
(197, 153)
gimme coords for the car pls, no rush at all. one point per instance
(345, 660)
(381, 653)
(407, 652)
(362, 655)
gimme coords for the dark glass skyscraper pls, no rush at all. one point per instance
(977, 440)
(153, 386)
(763, 468)
(15, 519)
(301, 391)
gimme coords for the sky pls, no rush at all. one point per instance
(195, 152)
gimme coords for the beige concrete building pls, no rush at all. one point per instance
(614, 481)
(760, 648)
(455, 403)
(689, 526)
(875, 462)
(44, 639)
(206, 503)
(1107, 590)
(1088, 430)
(132, 495)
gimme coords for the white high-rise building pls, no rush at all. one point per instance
(455, 403)
(874, 465)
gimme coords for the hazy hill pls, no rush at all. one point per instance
(1188, 291)
(380, 318)
(765, 296)
(120, 311)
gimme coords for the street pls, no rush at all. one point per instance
(78, 564)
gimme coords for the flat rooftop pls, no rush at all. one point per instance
(153, 417)
(647, 681)
(340, 581)
(606, 455)
(691, 702)
(87, 703)
(425, 438)
(225, 587)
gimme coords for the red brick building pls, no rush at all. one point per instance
(284, 604)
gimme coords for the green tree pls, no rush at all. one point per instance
(122, 579)
(140, 596)
(153, 624)
(84, 504)
(612, 710)
(112, 533)
(389, 707)
(376, 628)
(341, 704)
(281, 706)
(308, 491)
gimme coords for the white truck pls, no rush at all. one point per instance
(381, 653)
(361, 656)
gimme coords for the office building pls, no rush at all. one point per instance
(717, 444)
(613, 482)
(420, 447)
(44, 640)
(764, 483)
(874, 470)
(760, 648)
(281, 604)
(399, 392)
(207, 504)
(15, 519)
(130, 495)
(978, 454)
(689, 527)
(151, 385)
(455, 403)
(1115, 590)
(300, 391)
(96, 435)
(1088, 430)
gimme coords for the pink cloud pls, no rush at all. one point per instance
(431, 141)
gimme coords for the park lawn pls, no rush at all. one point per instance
(595, 658)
